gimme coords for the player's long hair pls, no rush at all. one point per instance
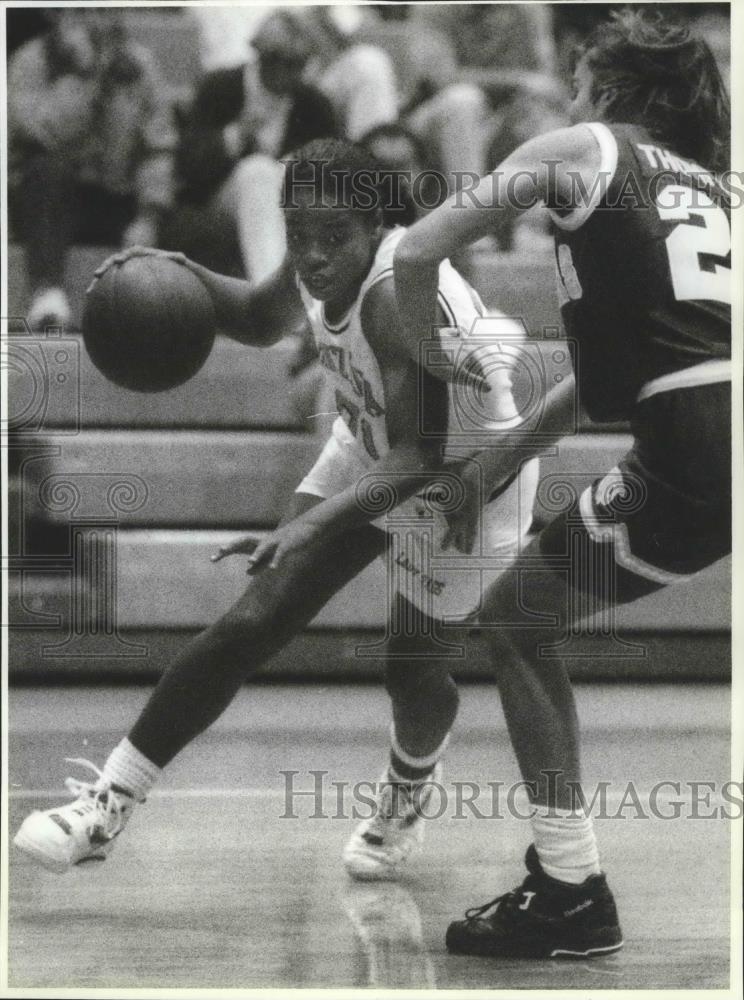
(347, 173)
(654, 72)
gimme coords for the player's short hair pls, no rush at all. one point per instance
(654, 71)
(347, 174)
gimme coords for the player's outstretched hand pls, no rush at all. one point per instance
(116, 259)
(243, 546)
(271, 550)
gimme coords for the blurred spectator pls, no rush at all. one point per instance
(224, 33)
(385, 68)
(399, 150)
(507, 54)
(357, 77)
(498, 46)
(459, 67)
(397, 147)
(23, 24)
(89, 149)
(242, 121)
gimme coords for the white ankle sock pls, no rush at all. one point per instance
(131, 770)
(420, 763)
(565, 844)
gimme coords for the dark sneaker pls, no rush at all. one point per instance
(543, 918)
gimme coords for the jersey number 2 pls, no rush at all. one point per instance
(709, 234)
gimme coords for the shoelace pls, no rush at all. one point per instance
(101, 798)
(394, 803)
(508, 900)
(478, 911)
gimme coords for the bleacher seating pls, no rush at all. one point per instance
(223, 454)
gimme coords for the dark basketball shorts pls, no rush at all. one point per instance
(664, 512)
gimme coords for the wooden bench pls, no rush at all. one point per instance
(222, 478)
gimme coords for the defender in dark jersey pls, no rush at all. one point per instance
(642, 241)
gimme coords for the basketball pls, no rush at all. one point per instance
(148, 324)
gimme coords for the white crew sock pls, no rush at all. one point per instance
(130, 770)
(424, 764)
(565, 844)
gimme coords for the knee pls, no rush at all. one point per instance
(368, 65)
(256, 172)
(463, 100)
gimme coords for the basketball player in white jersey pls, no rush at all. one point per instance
(391, 440)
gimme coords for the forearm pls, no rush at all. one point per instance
(404, 471)
(541, 170)
(501, 455)
(416, 286)
(241, 311)
(230, 298)
(454, 225)
(407, 470)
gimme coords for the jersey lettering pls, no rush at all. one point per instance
(357, 424)
(570, 286)
(336, 360)
(703, 229)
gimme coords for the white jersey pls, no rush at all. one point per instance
(354, 370)
(359, 438)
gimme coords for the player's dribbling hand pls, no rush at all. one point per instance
(116, 259)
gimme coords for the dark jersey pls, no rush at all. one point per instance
(644, 271)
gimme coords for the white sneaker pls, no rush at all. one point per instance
(48, 308)
(83, 830)
(380, 845)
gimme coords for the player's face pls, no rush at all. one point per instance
(582, 107)
(330, 247)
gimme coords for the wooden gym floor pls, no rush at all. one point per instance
(210, 888)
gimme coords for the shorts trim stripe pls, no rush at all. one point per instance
(706, 373)
(617, 535)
